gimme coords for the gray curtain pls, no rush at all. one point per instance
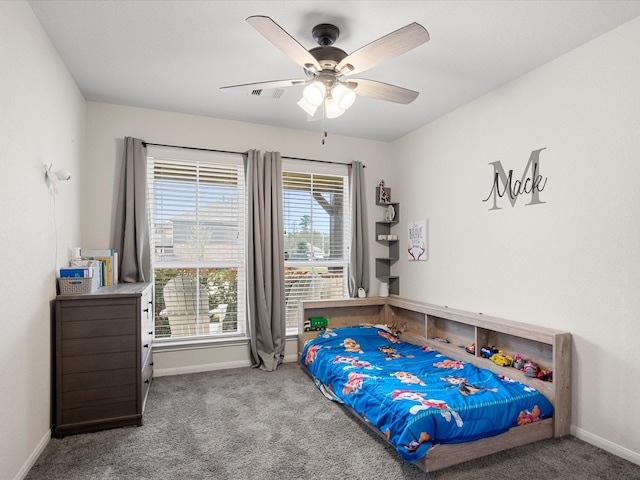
(359, 252)
(265, 262)
(131, 232)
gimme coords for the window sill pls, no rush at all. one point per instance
(169, 345)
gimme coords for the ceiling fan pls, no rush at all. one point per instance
(328, 69)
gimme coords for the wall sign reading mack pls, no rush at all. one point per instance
(531, 182)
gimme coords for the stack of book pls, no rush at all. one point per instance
(76, 272)
(103, 263)
(91, 270)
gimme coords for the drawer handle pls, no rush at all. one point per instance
(150, 302)
(146, 345)
(151, 332)
(146, 381)
(146, 310)
(151, 364)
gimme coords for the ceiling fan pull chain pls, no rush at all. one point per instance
(324, 120)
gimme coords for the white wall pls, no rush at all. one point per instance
(571, 263)
(42, 121)
(108, 124)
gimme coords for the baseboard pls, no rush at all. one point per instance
(42, 444)
(291, 358)
(163, 372)
(606, 445)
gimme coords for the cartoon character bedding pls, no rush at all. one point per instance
(414, 395)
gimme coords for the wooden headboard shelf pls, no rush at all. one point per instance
(427, 324)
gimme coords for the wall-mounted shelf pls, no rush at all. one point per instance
(383, 231)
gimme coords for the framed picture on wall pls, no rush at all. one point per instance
(417, 235)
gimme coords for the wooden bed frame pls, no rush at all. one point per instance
(424, 324)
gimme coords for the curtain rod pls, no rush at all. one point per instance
(240, 153)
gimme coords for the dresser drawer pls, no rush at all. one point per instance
(97, 362)
(98, 345)
(147, 321)
(87, 311)
(146, 304)
(99, 327)
(147, 378)
(86, 381)
(102, 413)
(100, 396)
(146, 334)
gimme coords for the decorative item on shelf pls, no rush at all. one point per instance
(382, 237)
(385, 195)
(361, 293)
(384, 289)
(389, 214)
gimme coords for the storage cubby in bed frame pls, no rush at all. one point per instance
(436, 327)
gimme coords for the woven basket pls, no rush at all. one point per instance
(75, 285)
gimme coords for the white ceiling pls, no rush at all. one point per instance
(174, 55)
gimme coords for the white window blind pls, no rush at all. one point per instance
(197, 229)
(316, 220)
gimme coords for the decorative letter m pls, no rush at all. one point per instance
(532, 184)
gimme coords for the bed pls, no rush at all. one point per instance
(402, 368)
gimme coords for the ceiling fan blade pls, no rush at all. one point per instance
(285, 42)
(382, 91)
(383, 49)
(265, 85)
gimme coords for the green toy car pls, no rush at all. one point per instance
(315, 323)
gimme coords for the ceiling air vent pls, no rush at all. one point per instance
(267, 93)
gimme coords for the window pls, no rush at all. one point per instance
(316, 220)
(197, 214)
(197, 233)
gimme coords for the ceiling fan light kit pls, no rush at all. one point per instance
(314, 93)
(307, 107)
(337, 98)
(332, 109)
(343, 95)
(328, 67)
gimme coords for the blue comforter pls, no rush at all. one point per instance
(414, 395)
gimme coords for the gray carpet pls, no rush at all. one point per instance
(249, 424)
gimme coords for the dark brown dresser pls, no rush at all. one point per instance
(103, 358)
